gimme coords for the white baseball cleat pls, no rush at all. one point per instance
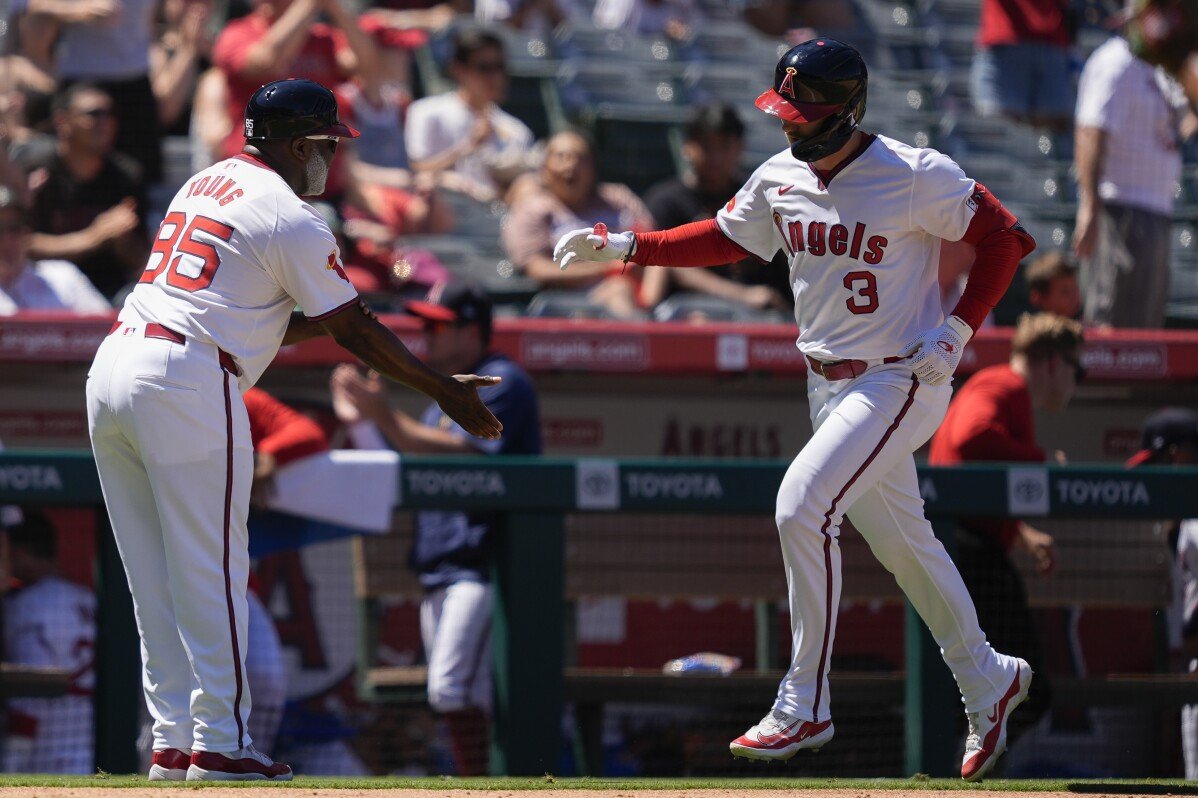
(779, 736)
(247, 764)
(987, 738)
(170, 764)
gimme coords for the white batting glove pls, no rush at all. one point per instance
(936, 354)
(595, 245)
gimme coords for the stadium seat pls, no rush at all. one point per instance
(590, 43)
(566, 305)
(702, 307)
(726, 42)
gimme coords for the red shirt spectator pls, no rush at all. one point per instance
(990, 419)
(280, 431)
(281, 39)
(1023, 21)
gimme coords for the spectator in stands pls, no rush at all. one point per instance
(49, 622)
(712, 149)
(1021, 67)
(381, 188)
(282, 39)
(1169, 437)
(177, 57)
(463, 135)
(107, 43)
(676, 19)
(37, 285)
(1052, 285)
(528, 15)
(1128, 162)
(990, 419)
(25, 96)
(566, 197)
(87, 198)
(452, 550)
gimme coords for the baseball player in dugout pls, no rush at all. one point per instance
(236, 253)
(861, 218)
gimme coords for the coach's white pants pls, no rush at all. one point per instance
(172, 444)
(860, 462)
(455, 622)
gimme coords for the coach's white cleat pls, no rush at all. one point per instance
(248, 764)
(780, 736)
(170, 764)
(987, 738)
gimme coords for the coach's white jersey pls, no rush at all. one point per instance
(236, 253)
(864, 250)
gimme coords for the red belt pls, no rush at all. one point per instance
(843, 369)
(153, 330)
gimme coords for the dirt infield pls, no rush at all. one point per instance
(240, 792)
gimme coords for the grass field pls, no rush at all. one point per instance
(36, 785)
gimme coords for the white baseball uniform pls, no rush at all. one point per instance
(52, 624)
(236, 252)
(864, 246)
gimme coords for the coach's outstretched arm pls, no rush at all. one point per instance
(356, 329)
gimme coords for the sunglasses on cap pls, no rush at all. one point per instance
(334, 139)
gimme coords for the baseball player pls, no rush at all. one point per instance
(237, 251)
(861, 218)
(49, 622)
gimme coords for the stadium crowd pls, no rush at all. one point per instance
(484, 138)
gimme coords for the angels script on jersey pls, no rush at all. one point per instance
(217, 187)
(820, 238)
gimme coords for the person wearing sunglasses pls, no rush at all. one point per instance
(463, 135)
(87, 199)
(991, 419)
(238, 250)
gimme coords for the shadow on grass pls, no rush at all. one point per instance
(1123, 788)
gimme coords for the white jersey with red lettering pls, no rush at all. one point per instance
(863, 242)
(234, 256)
(52, 624)
(237, 251)
(864, 246)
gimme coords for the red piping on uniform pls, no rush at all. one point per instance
(330, 313)
(228, 577)
(823, 654)
(256, 161)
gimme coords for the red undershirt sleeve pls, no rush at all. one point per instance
(1000, 244)
(695, 244)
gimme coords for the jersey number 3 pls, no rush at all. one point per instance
(177, 238)
(865, 292)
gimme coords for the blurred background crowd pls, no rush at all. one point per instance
(490, 128)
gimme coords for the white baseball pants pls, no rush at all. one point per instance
(455, 623)
(172, 444)
(860, 462)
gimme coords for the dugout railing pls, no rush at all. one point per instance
(537, 497)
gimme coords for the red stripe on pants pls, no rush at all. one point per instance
(823, 655)
(228, 577)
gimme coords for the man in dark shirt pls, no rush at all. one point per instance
(713, 148)
(452, 550)
(87, 198)
(990, 419)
